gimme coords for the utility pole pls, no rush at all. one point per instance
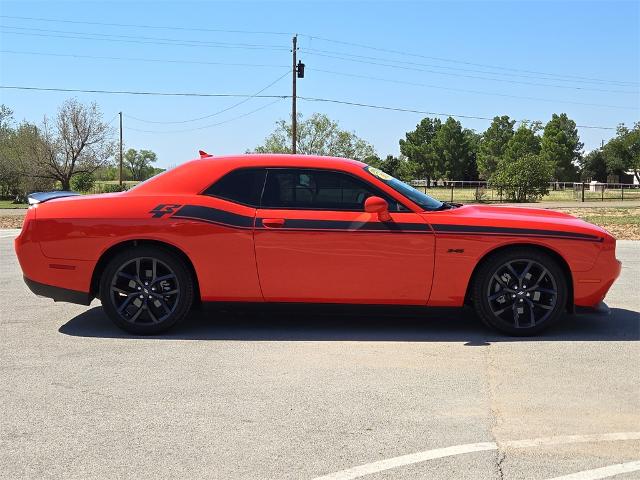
(120, 176)
(294, 119)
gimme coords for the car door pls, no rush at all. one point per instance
(221, 240)
(314, 242)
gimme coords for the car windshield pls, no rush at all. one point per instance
(416, 196)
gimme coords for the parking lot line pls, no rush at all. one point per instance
(604, 472)
(9, 232)
(418, 457)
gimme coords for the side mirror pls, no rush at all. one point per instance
(378, 205)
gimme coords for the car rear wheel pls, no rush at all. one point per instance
(146, 290)
(520, 291)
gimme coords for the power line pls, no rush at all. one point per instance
(448, 60)
(138, 37)
(179, 43)
(424, 112)
(157, 27)
(521, 82)
(331, 72)
(402, 82)
(134, 92)
(436, 114)
(114, 117)
(310, 99)
(136, 59)
(211, 125)
(319, 38)
(431, 65)
(219, 111)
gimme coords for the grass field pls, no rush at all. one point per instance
(10, 204)
(467, 195)
(463, 195)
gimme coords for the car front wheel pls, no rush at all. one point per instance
(146, 290)
(520, 291)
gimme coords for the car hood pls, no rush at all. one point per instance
(498, 219)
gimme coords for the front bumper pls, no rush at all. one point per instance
(591, 287)
(601, 309)
(58, 294)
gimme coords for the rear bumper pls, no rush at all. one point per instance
(58, 294)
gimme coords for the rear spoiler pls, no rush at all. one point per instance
(41, 197)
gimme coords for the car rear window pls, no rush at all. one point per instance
(240, 186)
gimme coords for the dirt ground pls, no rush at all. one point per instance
(623, 223)
(13, 221)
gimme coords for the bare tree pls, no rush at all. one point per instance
(79, 141)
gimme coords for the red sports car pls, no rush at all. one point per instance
(293, 228)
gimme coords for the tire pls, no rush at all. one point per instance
(146, 290)
(520, 292)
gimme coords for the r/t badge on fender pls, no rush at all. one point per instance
(164, 209)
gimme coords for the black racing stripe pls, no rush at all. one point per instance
(223, 217)
(346, 225)
(213, 215)
(483, 230)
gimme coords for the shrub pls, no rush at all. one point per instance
(113, 187)
(524, 179)
(82, 182)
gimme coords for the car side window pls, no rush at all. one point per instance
(240, 186)
(318, 190)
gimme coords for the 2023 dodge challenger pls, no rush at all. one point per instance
(292, 228)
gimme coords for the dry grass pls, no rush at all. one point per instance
(622, 222)
(13, 221)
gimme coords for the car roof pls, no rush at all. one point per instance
(195, 175)
(282, 159)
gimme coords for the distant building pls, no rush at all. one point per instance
(632, 180)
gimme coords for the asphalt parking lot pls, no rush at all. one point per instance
(308, 393)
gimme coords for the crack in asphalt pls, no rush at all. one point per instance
(494, 411)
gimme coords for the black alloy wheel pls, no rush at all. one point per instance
(520, 291)
(146, 290)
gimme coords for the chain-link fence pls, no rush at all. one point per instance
(479, 191)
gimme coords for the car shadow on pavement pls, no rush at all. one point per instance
(340, 323)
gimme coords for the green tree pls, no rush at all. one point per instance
(139, 163)
(525, 178)
(622, 153)
(561, 146)
(524, 141)
(493, 143)
(594, 166)
(316, 135)
(398, 167)
(418, 147)
(451, 146)
(471, 168)
(15, 160)
(8, 171)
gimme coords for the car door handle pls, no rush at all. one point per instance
(273, 222)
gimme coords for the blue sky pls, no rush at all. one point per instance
(478, 59)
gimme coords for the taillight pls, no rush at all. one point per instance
(29, 221)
